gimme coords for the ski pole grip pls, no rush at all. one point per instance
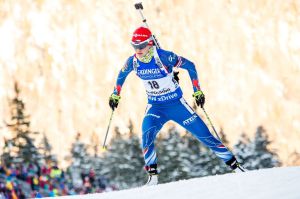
(138, 6)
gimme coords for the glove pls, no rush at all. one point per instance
(200, 98)
(114, 101)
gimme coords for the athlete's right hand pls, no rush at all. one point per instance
(114, 101)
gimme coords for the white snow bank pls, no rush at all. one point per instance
(275, 183)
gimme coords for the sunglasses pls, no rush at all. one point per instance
(140, 45)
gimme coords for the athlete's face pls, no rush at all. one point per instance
(142, 52)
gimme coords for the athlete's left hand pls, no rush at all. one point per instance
(114, 101)
(200, 98)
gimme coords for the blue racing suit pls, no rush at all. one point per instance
(165, 101)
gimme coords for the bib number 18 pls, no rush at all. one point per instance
(153, 84)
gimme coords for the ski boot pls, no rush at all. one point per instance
(235, 165)
(153, 175)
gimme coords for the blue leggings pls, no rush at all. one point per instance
(179, 111)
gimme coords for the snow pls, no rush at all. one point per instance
(275, 183)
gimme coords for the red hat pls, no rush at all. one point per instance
(141, 34)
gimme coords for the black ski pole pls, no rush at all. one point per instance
(211, 124)
(104, 143)
(139, 7)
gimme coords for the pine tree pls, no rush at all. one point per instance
(213, 165)
(95, 173)
(264, 156)
(216, 165)
(96, 160)
(8, 151)
(208, 163)
(256, 154)
(81, 161)
(136, 159)
(21, 147)
(243, 151)
(194, 151)
(204, 161)
(173, 161)
(45, 149)
(111, 158)
(123, 161)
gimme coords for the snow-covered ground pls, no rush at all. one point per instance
(276, 183)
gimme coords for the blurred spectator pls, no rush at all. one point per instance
(46, 181)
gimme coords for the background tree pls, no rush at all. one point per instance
(135, 154)
(196, 153)
(243, 151)
(264, 156)
(45, 149)
(173, 157)
(214, 165)
(80, 161)
(256, 154)
(123, 161)
(208, 163)
(21, 147)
